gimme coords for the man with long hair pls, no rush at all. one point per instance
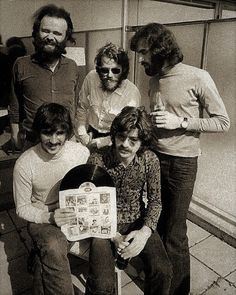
(178, 95)
(46, 75)
(105, 91)
(132, 167)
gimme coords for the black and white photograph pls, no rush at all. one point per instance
(117, 147)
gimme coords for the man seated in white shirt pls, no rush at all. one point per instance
(36, 181)
(104, 93)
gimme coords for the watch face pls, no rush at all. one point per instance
(184, 123)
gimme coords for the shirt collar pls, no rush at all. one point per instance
(62, 60)
(120, 90)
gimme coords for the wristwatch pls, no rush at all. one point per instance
(184, 123)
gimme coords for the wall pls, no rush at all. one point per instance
(86, 15)
(215, 185)
(16, 15)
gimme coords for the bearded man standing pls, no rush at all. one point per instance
(45, 76)
(104, 93)
(179, 96)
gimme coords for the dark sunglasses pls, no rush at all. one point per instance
(103, 70)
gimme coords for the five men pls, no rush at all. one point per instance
(104, 93)
(178, 95)
(45, 76)
(131, 166)
(36, 182)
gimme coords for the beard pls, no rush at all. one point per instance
(110, 85)
(49, 54)
(154, 67)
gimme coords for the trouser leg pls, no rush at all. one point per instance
(101, 277)
(157, 267)
(177, 180)
(52, 250)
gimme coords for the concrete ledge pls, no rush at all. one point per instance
(214, 220)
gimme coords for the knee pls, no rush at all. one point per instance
(101, 248)
(54, 246)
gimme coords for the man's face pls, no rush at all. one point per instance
(127, 144)
(110, 74)
(51, 38)
(52, 142)
(151, 64)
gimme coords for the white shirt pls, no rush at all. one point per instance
(37, 176)
(98, 108)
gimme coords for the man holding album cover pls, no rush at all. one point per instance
(36, 181)
(132, 167)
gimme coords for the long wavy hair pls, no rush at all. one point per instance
(161, 42)
(131, 118)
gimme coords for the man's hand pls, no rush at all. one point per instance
(85, 139)
(63, 216)
(119, 242)
(102, 141)
(139, 239)
(166, 120)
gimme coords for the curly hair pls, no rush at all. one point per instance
(53, 11)
(131, 118)
(161, 42)
(50, 117)
(119, 55)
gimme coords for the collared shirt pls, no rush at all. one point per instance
(35, 84)
(98, 108)
(130, 181)
(187, 91)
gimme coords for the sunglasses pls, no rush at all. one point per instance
(103, 70)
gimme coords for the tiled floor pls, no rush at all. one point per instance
(213, 262)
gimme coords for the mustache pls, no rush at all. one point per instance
(123, 149)
(49, 42)
(53, 144)
(109, 79)
(39, 43)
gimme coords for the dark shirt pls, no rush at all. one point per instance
(34, 84)
(130, 182)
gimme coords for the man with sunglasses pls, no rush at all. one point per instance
(104, 93)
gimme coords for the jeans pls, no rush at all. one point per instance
(157, 267)
(178, 176)
(52, 274)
